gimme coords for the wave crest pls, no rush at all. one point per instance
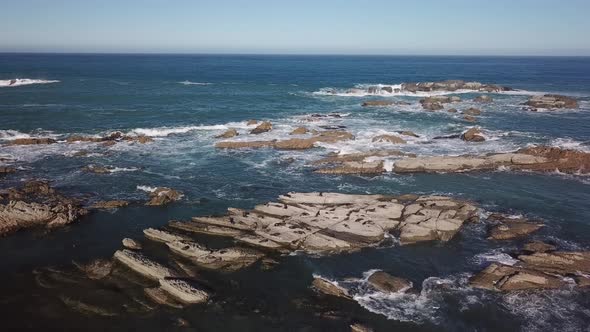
(24, 81)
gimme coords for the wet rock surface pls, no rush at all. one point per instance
(328, 136)
(539, 270)
(540, 159)
(36, 204)
(551, 101)
(329, 223)
(228, 133)
(262, 128)
(511, 228)
(108, 205)
(473, 135)
(162, 196)
(385, 282)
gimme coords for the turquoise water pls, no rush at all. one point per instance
(184, 101)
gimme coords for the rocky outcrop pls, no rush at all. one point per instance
(330, 223)
(36, 204)
(228, 133)
(383, 103)
(228, 259)
(327, 287)
(536, 271)
(387, 283)
(483, 99)
(299, 131)
(107, 205)
(6, 170)
(550, 101)
(473, 135)
(451, 85)
(368, 163)
(541, 159)
(182, 291)
(162, 196)
(436, 103)
(469, 118)
(389, 138)
(262, 128)
(251, 122)
(143, 265)
(472, 111)
(32, 141)
(538, 246)
(452, 110)
(110, 139)
(328, 136)
(97, 269)
(508, 228)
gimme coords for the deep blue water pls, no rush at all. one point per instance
(145, 94)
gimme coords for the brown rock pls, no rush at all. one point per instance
(131, 244)
(356, 327)
(387, 283)
(251, 122)
(6, 170)
(473, 135)
(162, 196)
(510, 278)
(377, 103)
(32, 141)
(245, 144)
(472, 111)
(228, 134)
(452, 110)
(262, 128)
(389, 138)
(299, 131)
(408, 133)
(328, 288)
(511, 229)
(538, 246)
(469, 118)
(97, 269)
(109, 204)
(559, 262)
(550, 101)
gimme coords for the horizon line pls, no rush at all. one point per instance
(292, 54)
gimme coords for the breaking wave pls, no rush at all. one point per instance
(24, 81)
(194, 83)
(392, 90)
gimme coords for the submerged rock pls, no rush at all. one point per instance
(382, 103)
(389, 138)
(387, 283)
(162, 196)
(229, 259)
(483, 99)
(97, 269)
(550, 101)
(6, 170)
(262, 128)
(251, 122)
(469, 118)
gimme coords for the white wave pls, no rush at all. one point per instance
(495, 256)
(556, 310)
(194, 83)
(165, 131)
(123, 169)
(10, 134)
(364, 90)
(569, 143)
(24, 81)
(146, 188)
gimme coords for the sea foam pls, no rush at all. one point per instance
(24, 81)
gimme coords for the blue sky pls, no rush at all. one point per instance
(461, 27)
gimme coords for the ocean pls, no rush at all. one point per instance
(184, 101)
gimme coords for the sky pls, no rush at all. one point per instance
(425, 27)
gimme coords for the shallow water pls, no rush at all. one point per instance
(152, 95)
